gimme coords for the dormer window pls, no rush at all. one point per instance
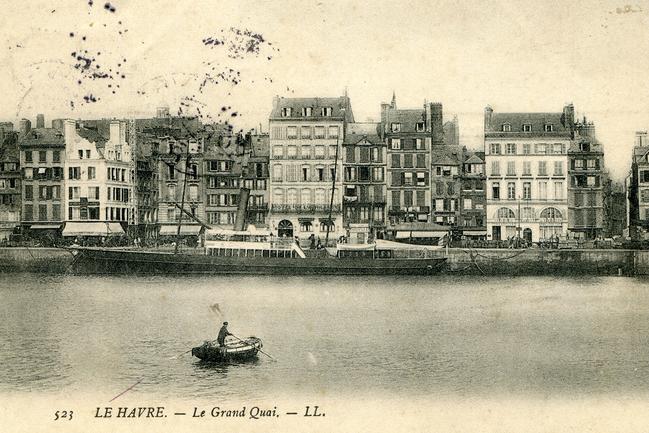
(419, 126)
(327, 111)
(506, 127)
(306, 111)
(549, 127)
(395, 127)
(287, 111)
(527, 127)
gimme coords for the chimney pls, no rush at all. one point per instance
(70, 129)
(275, 101)
(641, 138)
(24, 126)
(58, 124)
(437, 124)
(40, 121)
(428, 120)
(488, 112)
(162, 112)
(115, 131)
(569, 117)
(384, 118)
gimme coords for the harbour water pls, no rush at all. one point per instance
(412, 337)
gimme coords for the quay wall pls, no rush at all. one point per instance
(546, 262)
(45, 260)
(459, 261)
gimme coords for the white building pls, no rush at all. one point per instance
(306, 136)
(526, 162)
(99, 179)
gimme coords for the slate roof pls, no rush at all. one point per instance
(446, 155)
(341, 108)
(475, 158)
(408, 118)
(359, 131)
(42, 137)
(536, 120)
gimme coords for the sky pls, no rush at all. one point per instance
(225, 60)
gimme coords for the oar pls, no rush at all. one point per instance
(259, 349)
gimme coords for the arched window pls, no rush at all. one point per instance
(505, 213)
(551, 213)
(506, 127)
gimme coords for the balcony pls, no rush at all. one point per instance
(258, 207)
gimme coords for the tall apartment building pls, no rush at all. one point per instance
(256, 176)
(473, 196)
(526, 157)
(223, 182)
(99, 179)
(306, 136)
(10, 185)
(587, 181)
(42, 158)
(638, 187)
(364, 165)
(446, 184)
(410, 135)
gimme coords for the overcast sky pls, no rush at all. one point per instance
(514, 56)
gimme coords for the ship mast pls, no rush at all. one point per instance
(333, 190)
(182, 200)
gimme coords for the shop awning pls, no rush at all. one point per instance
(474, 232)
(185, 230)
(93, 228)
(420, 234)
(54, 226)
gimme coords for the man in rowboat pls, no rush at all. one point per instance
(223, 332)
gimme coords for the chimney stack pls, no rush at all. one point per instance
(40, 121)
(162, 112)
(641, 138)
(437, 123)
(24, 126)
(488, 112)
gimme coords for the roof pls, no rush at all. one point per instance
(446, 155)
(475, 158)
(408, 118)
(536, 120)
(358, 131)
(9, 147)
(42, 137)
(92, 135)
(341, 108)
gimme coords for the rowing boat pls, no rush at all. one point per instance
(233, 351)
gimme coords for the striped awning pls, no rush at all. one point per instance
(185, 230)
(93, 228)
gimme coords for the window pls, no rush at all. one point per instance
(549, 127)
(291, 132)
(396, 160)
(320, 173)
(421, 160)
(511, 148)
(29, 173)
(171, 172)
(543, 190)
(395, 127)
(421, 178)
(42, 212)
(558, 168)
(56, 156)
(377, 174)
(278, 152)
(28, 156)
(407, 179)
(395, 143)
(591, 164)
(291, 152)
(527, 148)
(333, 132)
(591, 181)
(495, 190)
(80, 154)
(495, 168)
(319, 132)
(419, 144)
(551, 213)
(42, 156)
(527, 168)
(375, 155)
(277, 172)
(505, 213)
(506, 127)
(29, 192)
(511, 191)
(306, 111)
(419, 127)
(495, 148)
(543, 168)
(74, 173)
(305, 131)
(286, 111)
(327, 111)
(527, 191)
(305, 174)
(557, 148)
(92, 173)
(511, 168)
(527, 127)
(319, 152)
(558, 190)
(468, 203)
(407, 160)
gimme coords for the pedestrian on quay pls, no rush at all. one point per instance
(312, 241)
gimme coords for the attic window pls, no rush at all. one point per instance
(327, 111)
(507, 127)
(527, 127)
(549, 127)
(419, 126)
(306, 111)
(286, 112)
(395, 127)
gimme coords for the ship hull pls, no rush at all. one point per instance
(115, 261)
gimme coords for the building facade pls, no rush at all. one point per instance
(99, 181)
(446, 184)
(526, 156)
(586, 186)
(10, 185)
(306, 136)
(637, 186)
(256, 177)
(473, 197)
(364, 180)
(42, 159)
(410, 135)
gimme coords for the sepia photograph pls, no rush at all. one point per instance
(309, 216)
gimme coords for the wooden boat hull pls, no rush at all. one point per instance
(117, 261)
(232, 352)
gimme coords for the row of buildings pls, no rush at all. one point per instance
(316, 172)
